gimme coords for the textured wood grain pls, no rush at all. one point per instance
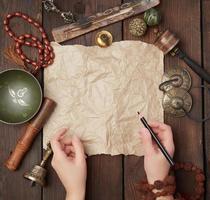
(206, 63)
(104, 172)
(182, 17)
(12, 184)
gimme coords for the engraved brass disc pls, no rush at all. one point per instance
(183, 77)
(177, 102)
(103, 39)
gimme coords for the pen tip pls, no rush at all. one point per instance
(138, 113)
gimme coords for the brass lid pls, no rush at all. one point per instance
(103, 39)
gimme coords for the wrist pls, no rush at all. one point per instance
(75, 196)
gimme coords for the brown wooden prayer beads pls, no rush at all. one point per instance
(168, 186)
(45, 50)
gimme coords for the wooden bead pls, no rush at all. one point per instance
(9, 16)
(29, 20)
(43, 60)
(24, 16)
(22, 56)
(6, 22)
(18, 14)
(6, 28)
(36, 24)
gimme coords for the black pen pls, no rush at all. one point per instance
(155, 138)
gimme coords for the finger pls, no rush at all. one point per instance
(69, 149)
(67, 140)
(163, 131)
(78, 147)
(55, 142)
(165, 135)
(147, 141)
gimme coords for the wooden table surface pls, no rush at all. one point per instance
(114, 178)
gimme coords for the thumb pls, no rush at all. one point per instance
(147, 141)
(78, 146)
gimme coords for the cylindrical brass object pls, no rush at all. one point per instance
(104, 39)
(27, 138)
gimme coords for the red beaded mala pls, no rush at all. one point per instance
(45, 50)
(168, 186)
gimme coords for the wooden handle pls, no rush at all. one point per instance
(27, 138)
(21, 148)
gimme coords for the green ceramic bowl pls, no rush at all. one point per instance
(20, 96)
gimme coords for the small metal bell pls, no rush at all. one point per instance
(104, 39)
(177, 102)
(38, 173)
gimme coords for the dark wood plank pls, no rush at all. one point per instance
(206, 63)
(182, 17)
(104, 172)
(12, 184)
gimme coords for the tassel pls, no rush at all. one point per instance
(11, 55)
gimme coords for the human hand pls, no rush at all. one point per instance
(155, 164)
(70, 164)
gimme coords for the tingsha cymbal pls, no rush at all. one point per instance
(180, 78)
(177, 102)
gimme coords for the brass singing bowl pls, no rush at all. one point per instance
(20, 96)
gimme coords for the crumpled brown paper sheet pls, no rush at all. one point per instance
(99, 91)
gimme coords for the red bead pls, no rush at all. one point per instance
(6, 28)
(23, 57)
(36, 24)
(19, 51)
(33, 44)
(50, 62)
(44, 36)
(24, 16)
(28, 60)
(41, 29)
(27, 35)
(6, 22)
(11, 34)
(40, 51)
(18, 14)
(29, 20)
(34, 63)
(52, 55)
(50, 48)
(46, 51)
(46, 42)
(27, 43)
(34, 38)
(9, 16)
(17, 45)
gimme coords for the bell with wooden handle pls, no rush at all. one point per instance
(38, 173)
(168, 42)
